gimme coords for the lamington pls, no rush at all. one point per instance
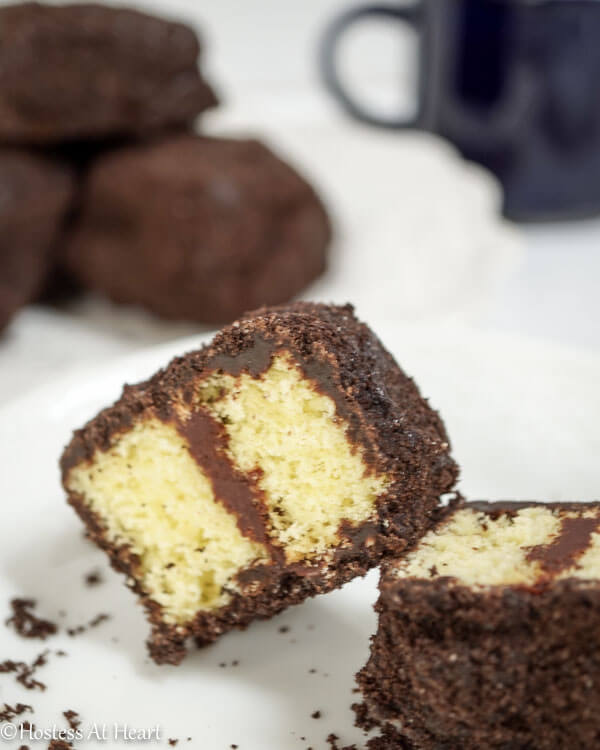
(91, 71)
(283, 459)
(488, 633)
(198, 228)
(36, 195)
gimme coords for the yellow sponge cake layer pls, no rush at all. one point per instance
(153, 497)
(518, 547)
(312, 477)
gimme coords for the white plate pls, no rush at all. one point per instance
(524, 422)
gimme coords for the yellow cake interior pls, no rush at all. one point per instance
(152, 495)
(479, 550)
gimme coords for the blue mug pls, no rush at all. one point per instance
(512, 83)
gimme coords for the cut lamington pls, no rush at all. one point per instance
(280, 461)
(488, 633)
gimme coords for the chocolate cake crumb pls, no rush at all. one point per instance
(332, 742)
(26, 624)
(93, 578)
(25, 672)
(312, 671)
(363, 719)
(234, 663)
(93, 623)
(233, 747)
(102, 617)
(72, 718)
(284, 629)
(60, 652)
(8, 713)
(315, 715)
(173, 742)
(60, 745)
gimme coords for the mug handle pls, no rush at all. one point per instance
(410, 14)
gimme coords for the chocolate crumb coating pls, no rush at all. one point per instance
(318, 455)
(35, 197)
(494, 647)
(198, 228)
(94, 71)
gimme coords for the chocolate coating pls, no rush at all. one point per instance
(401, 437)
(35, 195)
(454, 667)
(198, 228)
(204, 435)
(92, 71)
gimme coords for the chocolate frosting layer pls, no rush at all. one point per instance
(567, 548)
(207, 440)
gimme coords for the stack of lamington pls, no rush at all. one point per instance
(105, 185)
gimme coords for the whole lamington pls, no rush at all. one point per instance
(35, 197)
(280, 461)
(198, 228)
(92, 71)
(488, 633)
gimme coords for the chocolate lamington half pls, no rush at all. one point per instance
(94, 71)
(197, 228)
(35, 196)
(488, 632)
(280, 461)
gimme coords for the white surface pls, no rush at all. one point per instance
(524, 424)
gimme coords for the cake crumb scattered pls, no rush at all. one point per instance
(25, 672)
(315, 715)
(93, 578)
(72, 718)
(26, 624)
(8, 713)
(93, 623)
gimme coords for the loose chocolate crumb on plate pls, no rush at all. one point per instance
(72, 718)
(8, 713)
(93, 623)
(25, 672)
(26, 624)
